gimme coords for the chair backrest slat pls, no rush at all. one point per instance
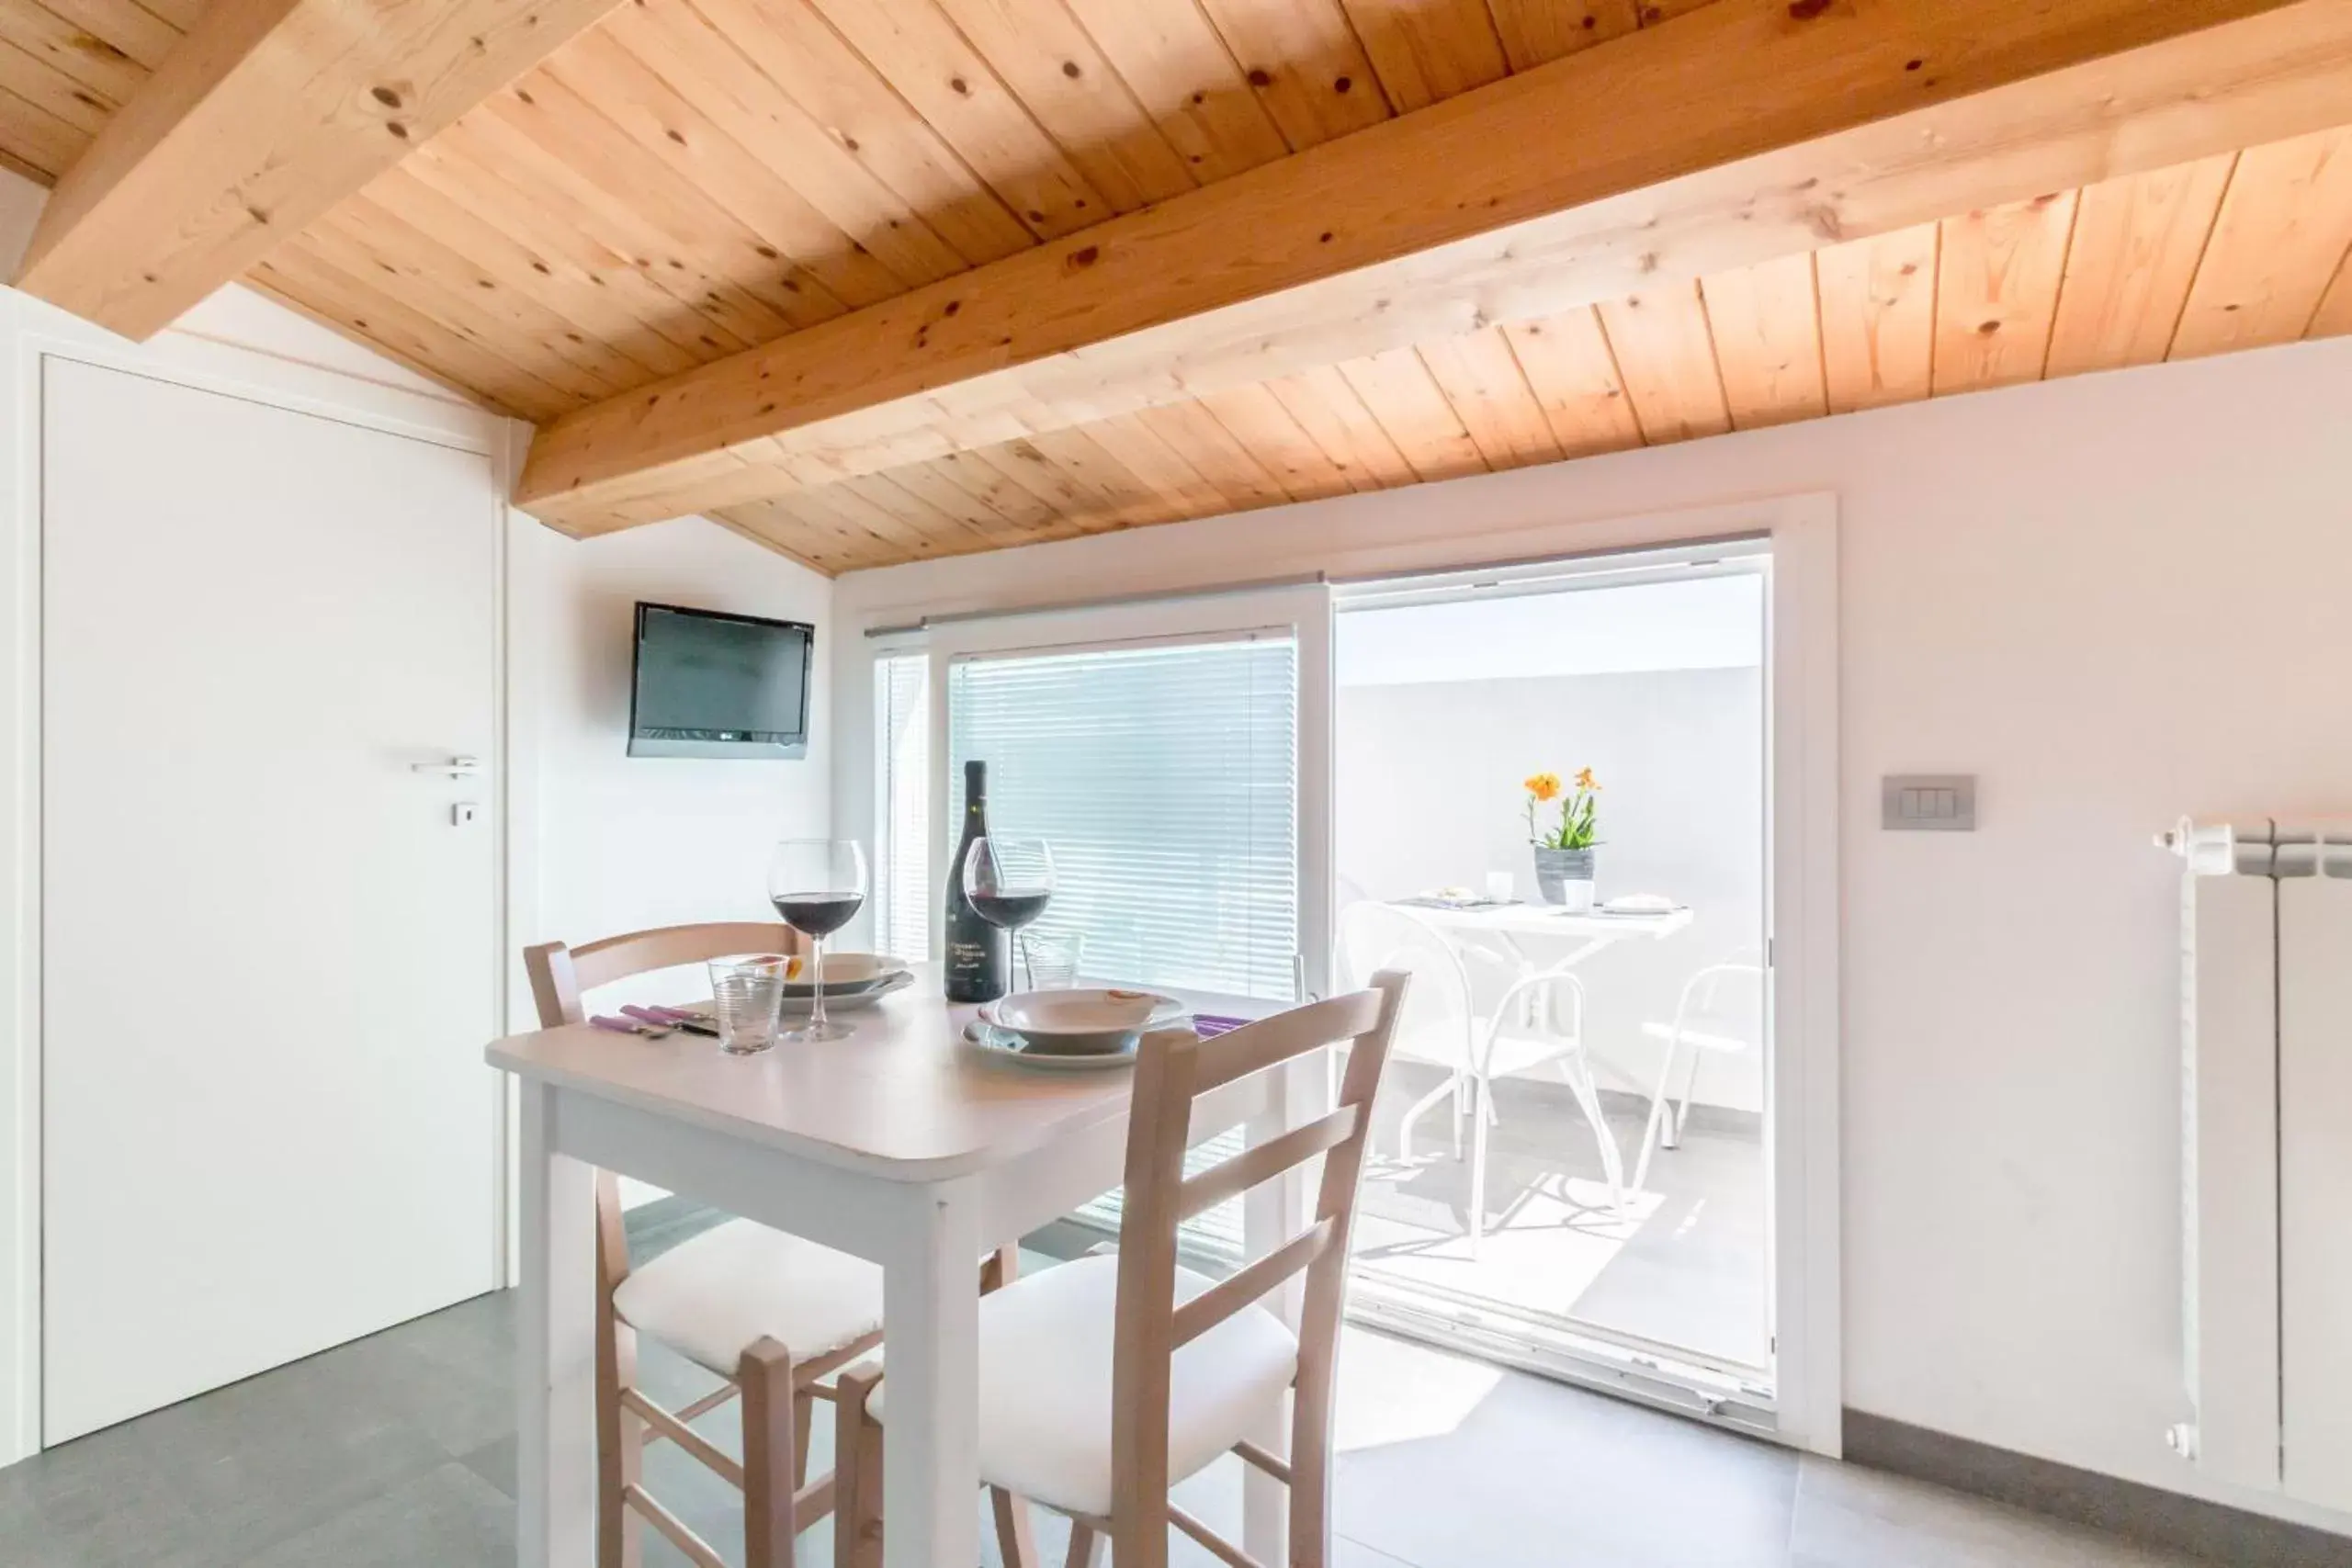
(1229, 1178)
(1172, 1072)
(558, 973)
(618, 957)
(1270, 1042)
(1250, 1285)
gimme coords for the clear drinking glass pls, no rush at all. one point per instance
(817, 885)
(1054, 960)
(747, 994)
(1008, 883)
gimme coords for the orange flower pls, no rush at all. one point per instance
(1543, 787)
(1584, 779)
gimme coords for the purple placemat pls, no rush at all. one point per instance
(1209, 1025)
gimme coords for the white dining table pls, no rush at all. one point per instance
(900, 1144)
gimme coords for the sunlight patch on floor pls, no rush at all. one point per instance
(1393, 1391)
(1542, 1254)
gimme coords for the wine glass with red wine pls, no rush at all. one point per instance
(817, 885)
(1008, 883)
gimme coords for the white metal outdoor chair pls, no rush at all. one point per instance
(1538, 1020)
(1720, 1012)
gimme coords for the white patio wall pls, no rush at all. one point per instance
(1428, 796)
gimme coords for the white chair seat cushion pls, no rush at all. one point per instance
(1045, 1384)
(712, 1298)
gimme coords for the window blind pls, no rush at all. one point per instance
(902, 849)
(1165, 776)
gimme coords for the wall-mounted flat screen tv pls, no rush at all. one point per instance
(716, 685)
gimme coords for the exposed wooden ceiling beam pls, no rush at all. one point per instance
(1749, 129)
(261, 118)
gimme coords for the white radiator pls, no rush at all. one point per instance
(2267, 1152)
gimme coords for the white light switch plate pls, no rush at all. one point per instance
(1928, 803)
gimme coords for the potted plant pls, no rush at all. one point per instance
(1563, 852)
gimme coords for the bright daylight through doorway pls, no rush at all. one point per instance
(1598, 1228)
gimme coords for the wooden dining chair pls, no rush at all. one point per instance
(1105, 1381)
(769, 1313)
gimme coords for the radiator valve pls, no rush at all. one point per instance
(2181, 1439)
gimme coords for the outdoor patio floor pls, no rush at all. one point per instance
(1686, 1265)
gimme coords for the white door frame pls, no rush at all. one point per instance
(31, 332)
(1802, 938)
(1803, 778)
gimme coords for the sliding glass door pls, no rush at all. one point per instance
(1572, 1156)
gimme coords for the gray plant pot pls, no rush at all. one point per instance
(1554, 869)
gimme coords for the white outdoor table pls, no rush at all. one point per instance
(900, 1143)
(1509, 924)
(1507, 927)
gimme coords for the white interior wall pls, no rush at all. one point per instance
(2117, 599)
(633, 841)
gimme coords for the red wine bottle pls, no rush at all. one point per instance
(977, 950)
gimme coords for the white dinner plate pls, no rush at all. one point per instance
(847, 975)
(1006, 1047)
(798, 1005)
(1082, 1021)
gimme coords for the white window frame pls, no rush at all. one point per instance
(1303, 614)
(880, 841)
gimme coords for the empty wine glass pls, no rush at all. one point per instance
(817, 885)
(1008, 883)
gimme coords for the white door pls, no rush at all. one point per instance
(268, 944)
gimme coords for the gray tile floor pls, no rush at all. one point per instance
(398, 1452)
(1685, 1268)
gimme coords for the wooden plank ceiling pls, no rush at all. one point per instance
(65, 67)
(2229, 252)
(694, 177)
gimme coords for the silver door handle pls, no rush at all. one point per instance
(454, 768)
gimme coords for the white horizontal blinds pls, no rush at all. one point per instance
(902, 760)
(1165, 776)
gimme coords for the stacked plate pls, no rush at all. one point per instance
(1075, 1030)
(853, 980)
